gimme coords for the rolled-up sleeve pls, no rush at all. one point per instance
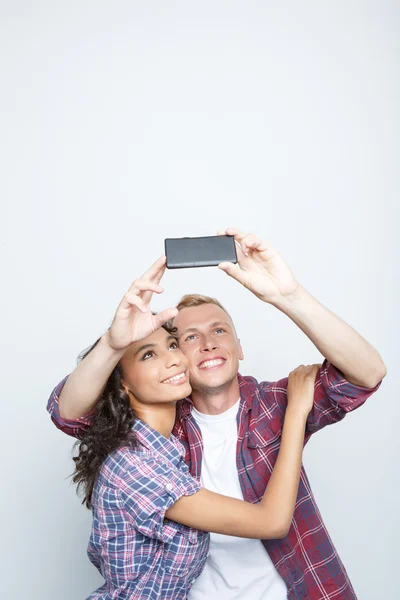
(334, 397)
(75, 428)
(148, 490)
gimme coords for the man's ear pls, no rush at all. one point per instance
(240, 353)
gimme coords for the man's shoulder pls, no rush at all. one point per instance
(264, 398)
(249, 384)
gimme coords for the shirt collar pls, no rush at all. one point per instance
(151, 439)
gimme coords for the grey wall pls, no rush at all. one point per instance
(127, 122)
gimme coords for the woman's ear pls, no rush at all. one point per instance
(124, 386)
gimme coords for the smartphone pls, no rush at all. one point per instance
(200, 251)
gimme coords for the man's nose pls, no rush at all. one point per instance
(209, 345)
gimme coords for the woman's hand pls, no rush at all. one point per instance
(300, 389)
(133, 319)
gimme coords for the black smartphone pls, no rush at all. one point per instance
(200, 251)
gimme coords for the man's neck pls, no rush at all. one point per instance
(216, 402)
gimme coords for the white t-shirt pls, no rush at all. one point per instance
(237, 568)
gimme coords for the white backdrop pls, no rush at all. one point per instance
(127, 122)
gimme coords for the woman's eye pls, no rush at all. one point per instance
(147, 355)
(173, 346)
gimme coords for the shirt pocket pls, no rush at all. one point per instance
(265, 433)
(187, 553)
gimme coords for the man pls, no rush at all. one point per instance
(231, 426)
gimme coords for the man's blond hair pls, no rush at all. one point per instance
(190, 300)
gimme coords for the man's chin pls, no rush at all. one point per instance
(212, 383)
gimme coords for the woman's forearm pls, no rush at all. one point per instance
(280, 496)
(85, 385)
(268, 519)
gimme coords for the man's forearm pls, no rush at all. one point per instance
(339, 343)
(85, 385)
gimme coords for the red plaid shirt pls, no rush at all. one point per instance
(306, 559)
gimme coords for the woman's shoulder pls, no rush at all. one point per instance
(127, 462)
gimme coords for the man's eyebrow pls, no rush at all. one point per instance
(211, 326)
(220, 323)
(187, 330)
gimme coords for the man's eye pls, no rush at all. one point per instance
(220, 330)
(190, 337)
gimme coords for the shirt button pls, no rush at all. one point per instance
(168, 487)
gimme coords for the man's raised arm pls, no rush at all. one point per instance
(263, 271)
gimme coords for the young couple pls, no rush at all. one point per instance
(173, 439)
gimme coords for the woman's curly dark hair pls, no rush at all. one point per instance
(112, 421)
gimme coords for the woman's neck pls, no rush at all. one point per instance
(160, 417)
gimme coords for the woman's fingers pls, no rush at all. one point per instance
(143, 285)
(130, 299)
(156, 270)
(165, 315)
(141, 290)
(154, 275)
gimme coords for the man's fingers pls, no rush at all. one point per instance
(241, 256)
(247, 241)
(165, 315)
(238, 235)
(234, 271)
(252, 242)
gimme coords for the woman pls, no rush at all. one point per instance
(150, 516)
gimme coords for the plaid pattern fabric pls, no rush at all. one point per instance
(141, 555)
(306, 558)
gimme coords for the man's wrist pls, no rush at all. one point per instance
(290, 303)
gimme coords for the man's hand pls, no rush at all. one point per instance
(265, 273)
(260, 268)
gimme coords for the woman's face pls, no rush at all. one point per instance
(155, 370)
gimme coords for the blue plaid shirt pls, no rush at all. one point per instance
(140, 554)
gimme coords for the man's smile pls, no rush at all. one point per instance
(212, 363)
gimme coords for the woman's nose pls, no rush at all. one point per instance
(172, 359)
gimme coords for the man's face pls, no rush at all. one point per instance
(208, 339)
